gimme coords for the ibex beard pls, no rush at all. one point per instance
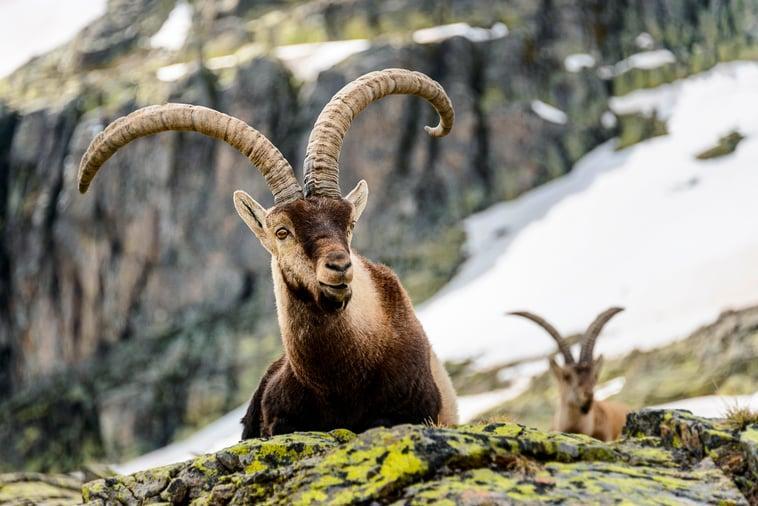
(355, 355)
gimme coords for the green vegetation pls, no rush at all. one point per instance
(726, 145)
(739, 417)
(39, 490)
(635, 128)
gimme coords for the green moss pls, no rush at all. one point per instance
(638, 485)
(635, 128)
(482, 484)
(750, 435)
(495, 429)
(492, 98)
(579, 483)
(368, 468)
(287, 449)
(35, 492)
(725, 145)
(649, 456)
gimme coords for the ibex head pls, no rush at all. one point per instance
(309, 240)
(307, 231)
(576, 381)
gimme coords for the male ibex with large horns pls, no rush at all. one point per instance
(355, 356)
(578, 411)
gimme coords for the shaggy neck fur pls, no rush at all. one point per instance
(321, 346)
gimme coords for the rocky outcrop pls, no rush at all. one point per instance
(124, 26)
(155, 251)
(666, 457)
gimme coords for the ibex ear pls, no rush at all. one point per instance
(597, 365)
(253, 214)
(555, 368)
(359, 197)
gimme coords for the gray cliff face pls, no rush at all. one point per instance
(154, 258)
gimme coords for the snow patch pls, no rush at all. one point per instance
(549, 112)
(176, 71)
(173, 33)
(473, 33)
(614, 232)
(471, 406)
(608, 120)
(646, 60)
(609, 388)
(605, 72)
(172, 72)
(665, 97)
(644, 41)
(306, 61)
(713, 406)
(579, 61)
(222, 62)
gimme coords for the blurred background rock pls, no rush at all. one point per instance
(136, 314)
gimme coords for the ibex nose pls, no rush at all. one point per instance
(338, 261)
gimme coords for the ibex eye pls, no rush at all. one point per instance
(282, 234)
(352, 225)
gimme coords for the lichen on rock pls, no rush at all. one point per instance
(666, 457)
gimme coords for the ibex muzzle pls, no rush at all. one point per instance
(312, 248)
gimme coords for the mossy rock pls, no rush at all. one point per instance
(635, 128)
(667, 457)
(39, 489)
(725, 145)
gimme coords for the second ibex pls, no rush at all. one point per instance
(578, 410)
(355, 355)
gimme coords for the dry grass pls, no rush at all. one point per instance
(429, 422)
(738, 417)
(518, 464)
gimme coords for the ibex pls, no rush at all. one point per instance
(578, 411)
(355, 355)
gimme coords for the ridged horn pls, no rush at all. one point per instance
(321, 166)
(562, 345)
(593, 331)
(160, 118)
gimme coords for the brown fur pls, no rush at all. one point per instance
(355, 356)
(578, 411)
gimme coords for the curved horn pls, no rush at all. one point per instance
(160, 118)
(321, 166)
(593, 331)
(562, 346)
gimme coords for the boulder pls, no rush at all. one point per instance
(665, 457)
